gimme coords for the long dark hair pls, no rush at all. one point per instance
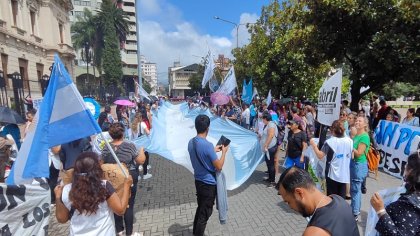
(412, 179)
(87, 190)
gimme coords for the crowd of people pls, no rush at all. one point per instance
(288, 126)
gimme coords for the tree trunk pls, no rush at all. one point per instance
(355, 94)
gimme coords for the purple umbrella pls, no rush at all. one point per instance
(124, 103)
(219, 98)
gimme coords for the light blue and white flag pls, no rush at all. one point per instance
(254, 93)
(173, 127)
(209, 70)
(62, 118)
(141, 91)
(229, 83)
(213, 84)
(269, 98)
(247, 92)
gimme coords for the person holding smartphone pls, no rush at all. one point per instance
(205, 164)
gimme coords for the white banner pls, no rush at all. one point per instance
(329, 99)
(25, 209)
(388, 196)
(395, 143)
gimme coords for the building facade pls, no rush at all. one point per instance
(178, 77)
(85, 72)
(31, 32)
(149, 71)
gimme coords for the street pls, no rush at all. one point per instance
(166, 203)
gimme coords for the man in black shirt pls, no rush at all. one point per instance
(328, 215)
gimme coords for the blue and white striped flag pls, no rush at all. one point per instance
(62, 118)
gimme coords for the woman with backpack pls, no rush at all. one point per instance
(358, 165)
(127, 154)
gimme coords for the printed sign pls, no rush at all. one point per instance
(25, 209)
(395, 143)
(329, 99)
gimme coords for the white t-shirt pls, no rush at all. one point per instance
(264, 137)
(246, 115)
(340, 163)
(101, 223)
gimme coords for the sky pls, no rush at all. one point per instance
(184, 30)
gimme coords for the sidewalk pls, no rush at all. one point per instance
(166, 204)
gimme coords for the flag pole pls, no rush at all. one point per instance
(113, 154)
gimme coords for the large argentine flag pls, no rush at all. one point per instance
(62, 117)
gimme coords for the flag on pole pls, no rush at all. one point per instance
(269, 98)
(141, 91)
(209, 70)
(213, 84)
(229, 83)
(254, 93)
(62, 118)
(247, 92)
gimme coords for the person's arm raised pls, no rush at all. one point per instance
(61, 212)
(218, 163)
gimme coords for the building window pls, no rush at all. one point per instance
(32, 13)
(79, 13)
(131, 52)
(15, 9)
(4, 67)
(60, 29)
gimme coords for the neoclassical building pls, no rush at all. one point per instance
(31, 32)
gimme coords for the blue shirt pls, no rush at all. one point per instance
(253, 112)
(206, 153)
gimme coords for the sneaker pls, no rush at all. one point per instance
(137, 234)
(121, 233)
(356, 218)
(149, 167)
(148, 176)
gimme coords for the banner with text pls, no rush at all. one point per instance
(25, 209)
(395, 143)
(329, 99)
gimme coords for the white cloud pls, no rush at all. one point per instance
(243, 34)
(166, 37)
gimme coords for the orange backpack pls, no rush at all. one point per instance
(373, 158)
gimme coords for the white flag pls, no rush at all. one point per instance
(329, 99)
(213, 84)
(208, 72)
(229, 83)
(141, 91)
(269, 98)
(254, 93)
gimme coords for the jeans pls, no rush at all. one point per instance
(206, 194)
(358, 172)
(128, 217)
(270, 163)
(293, 161)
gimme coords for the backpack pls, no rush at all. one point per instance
(373, 158)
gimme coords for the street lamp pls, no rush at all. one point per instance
(236, 27)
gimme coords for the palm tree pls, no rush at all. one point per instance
(109, 10)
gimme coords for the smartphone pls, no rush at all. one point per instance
(223, 141)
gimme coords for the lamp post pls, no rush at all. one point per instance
(236, 27)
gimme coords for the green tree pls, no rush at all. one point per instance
(275, 58)
(378, 40)
(395, 90)
(114, 28)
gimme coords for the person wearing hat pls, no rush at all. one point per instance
(296, 145)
